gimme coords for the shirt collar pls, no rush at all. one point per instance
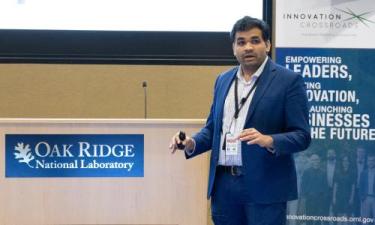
(255, 75)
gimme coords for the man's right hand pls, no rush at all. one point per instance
(188, 142)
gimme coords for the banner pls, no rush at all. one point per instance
(330, 43)
(74, 155)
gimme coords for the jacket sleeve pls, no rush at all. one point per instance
(297, 129)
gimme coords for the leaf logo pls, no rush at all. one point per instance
(23, 154)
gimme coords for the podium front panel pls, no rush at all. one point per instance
(171, 190)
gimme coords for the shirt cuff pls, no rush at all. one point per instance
(189, 152)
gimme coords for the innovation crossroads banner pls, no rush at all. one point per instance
(329, 42)
(74, 155)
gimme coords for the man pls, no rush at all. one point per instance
(315, 190)
(360, 166)
(367, 189)
(331, 166)
(297, 206)
(258, 118)
(330, 171)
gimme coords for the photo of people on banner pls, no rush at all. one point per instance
(338, 184)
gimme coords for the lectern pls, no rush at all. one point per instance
(171, 190)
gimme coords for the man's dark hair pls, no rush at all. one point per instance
(246, 23)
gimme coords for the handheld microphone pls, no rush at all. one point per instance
(182, 137)
(144, 85)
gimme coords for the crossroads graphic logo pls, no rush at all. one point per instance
(358, 17)
(74, 155)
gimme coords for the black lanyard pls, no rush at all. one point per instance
(242, 103)
(243, 100)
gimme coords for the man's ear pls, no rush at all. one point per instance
(268, 46)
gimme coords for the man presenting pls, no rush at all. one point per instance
(258, 119)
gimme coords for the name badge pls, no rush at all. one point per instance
(231, 144)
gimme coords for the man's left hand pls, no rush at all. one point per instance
(252, 136)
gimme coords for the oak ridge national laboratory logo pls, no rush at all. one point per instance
(23, 154)
(65, 155)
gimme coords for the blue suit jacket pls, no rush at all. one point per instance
(363, 185)
(279, 108)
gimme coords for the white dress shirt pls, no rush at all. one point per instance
(232, 125)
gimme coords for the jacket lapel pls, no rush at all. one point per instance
(266, 77)
(223, 92)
